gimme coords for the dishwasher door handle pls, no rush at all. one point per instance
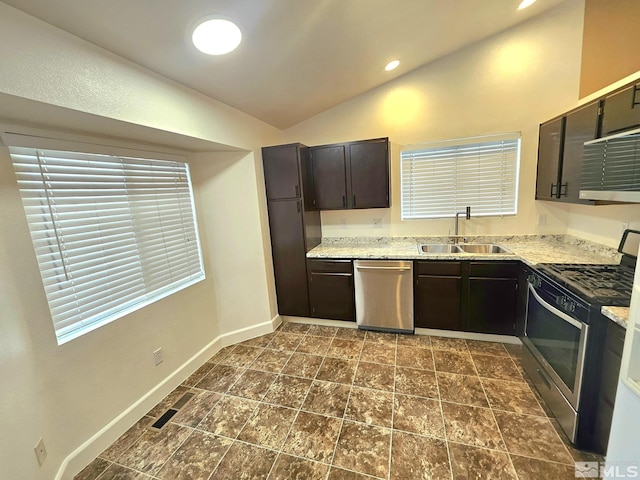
(397, 269)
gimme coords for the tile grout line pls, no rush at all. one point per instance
(344, 413)
(444, 423)
(280, 451)
(497, 425)
(393, 408)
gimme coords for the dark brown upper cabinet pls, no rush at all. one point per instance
(351, 175)
(329, 174)
(560, 153)
(581, 126)
(621, 111)
(282, 171)
(549, 152)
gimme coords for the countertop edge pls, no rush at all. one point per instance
(619, 315)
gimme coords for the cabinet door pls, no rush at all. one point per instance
(581, 126)
(329, 177)
(281, 173)
(438, 302)
(521, 300)
(331, 295)
(289, 262)
(611, 361)
(369, 174)
(621, 111)
(549, 152)
(492, 305)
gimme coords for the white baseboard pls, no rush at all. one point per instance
(485, 337)
(320, 321)
(96, 444)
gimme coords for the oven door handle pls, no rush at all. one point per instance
(555, 311)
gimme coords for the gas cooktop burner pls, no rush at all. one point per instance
(605, 284)
(606, 292)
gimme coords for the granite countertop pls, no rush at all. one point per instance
(531, 249)
(620, 315)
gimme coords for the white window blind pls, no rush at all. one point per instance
(441, 179)
(111, 234)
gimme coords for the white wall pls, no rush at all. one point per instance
(227, 195)
(510, 82)
(67, 393)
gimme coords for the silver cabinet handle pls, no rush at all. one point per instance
(397, 269)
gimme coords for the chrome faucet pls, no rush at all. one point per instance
(467, 213)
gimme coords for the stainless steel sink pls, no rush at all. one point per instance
(483, 248)
(439, 248)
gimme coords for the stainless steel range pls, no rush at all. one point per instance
(562, 329)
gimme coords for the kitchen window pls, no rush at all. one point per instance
(440, 179)
(111, 233)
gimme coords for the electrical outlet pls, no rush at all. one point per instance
(542, 219)
(623, 227)
(41, 451)
(343, 222)
(157, 356)
(377, 223)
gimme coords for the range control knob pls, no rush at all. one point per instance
(534, 280)
(567, 304)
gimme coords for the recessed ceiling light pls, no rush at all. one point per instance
(392, 65)
(526, 3)
(216, 36)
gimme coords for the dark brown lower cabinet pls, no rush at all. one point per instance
(438, 294)
(471, 296)
(289, 255)
(492, 297)
(611, 360)
(331, 293)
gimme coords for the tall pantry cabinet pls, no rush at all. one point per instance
(294, 225)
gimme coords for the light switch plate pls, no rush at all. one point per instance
(157, 356)
(41, 451)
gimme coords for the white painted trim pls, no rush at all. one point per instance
(485, 337)
(320, 321)
(95, 445)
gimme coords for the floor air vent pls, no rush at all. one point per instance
(163, 419)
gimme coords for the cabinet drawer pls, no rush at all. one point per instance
(331, 266)
(439, 268)
(493, 269)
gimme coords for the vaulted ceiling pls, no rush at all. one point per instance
(297, 57)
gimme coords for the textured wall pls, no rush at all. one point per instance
(68, 393)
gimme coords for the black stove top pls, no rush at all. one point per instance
(603, 284)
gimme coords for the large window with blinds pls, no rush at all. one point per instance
(440, 179)
(111, 234)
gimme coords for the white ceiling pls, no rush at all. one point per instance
(298, 57)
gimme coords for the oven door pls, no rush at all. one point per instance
(555, 337)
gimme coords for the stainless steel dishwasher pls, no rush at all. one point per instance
(384, 295)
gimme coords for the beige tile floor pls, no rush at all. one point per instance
(317, 402)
